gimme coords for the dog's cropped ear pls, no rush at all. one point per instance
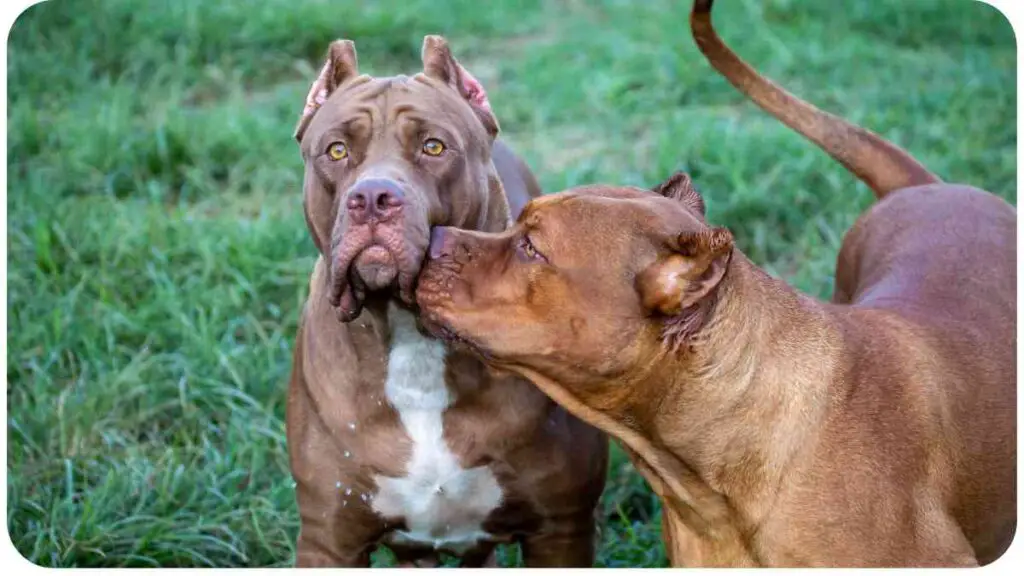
(680, 187)
(693, 269)
(439, 64)
(341, 66)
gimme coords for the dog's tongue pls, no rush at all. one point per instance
(376, 267)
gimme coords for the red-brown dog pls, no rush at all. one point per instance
(876, 430)
(393, 437)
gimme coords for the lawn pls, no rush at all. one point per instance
(157, 253)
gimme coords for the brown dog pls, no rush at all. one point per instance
(392, 437)
(877, 430)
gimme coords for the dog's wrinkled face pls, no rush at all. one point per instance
(386, 159)
(582, 284)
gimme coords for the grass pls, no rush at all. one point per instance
(158, 255)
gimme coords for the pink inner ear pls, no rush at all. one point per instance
(473, 90)
(317, 92)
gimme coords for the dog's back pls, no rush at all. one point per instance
(948, 273)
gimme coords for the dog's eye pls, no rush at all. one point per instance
(337, 151)
(433, 147)
(529, 250)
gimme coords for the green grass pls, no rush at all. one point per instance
(158, 255)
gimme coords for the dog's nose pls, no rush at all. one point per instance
(441, 242)
(377, 198)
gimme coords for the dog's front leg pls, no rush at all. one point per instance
(563, 544)
(312, 551)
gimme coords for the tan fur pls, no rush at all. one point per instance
(348, 444)
(875, 430)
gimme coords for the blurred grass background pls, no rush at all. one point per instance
(158, 255)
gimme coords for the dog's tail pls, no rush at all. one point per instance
(881, 165)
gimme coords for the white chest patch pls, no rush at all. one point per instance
(443, 503)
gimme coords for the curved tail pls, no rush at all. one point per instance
(881, 165)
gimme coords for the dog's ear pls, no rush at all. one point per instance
(439, 64)
(341, 66)
(693, 269)
(680, 187)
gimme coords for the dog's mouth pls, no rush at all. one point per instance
(365, 263)
(432, 326)
(452, 337)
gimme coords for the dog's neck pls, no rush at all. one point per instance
(749, 392)
(496, 216)
(713, 426)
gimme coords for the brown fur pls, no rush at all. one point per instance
(875, 430)
(550, 465)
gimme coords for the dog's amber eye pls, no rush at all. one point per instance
(433, 147)
(529, 250)
(337, 151)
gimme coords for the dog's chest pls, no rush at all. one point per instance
(444, 505)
